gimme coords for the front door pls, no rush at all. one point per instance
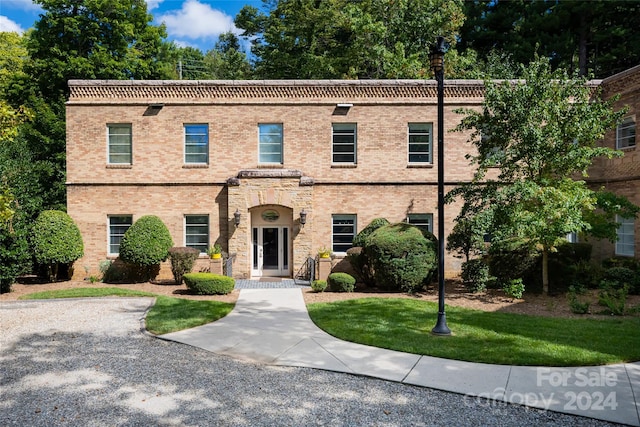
(270, 251)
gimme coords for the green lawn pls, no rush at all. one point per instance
(167, 315)
(478, 336)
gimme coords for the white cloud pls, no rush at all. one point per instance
(196, 21)
(7, 25)
(153, 4)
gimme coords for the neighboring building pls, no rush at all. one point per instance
(621, 175)
(338, 153)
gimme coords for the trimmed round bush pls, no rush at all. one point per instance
(341, 282)
(55, 241)
(403, 259)
(146, 244)
(209, 283)
(318, 285)
(182, 261)
(475, 275)
(356, 256)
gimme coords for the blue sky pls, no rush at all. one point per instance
(194, 23)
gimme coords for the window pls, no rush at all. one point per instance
(119, 144)
(572, 237)
(420, 142)
(344, 143)
(422, 221)
(196, 144)
(343, 231)
(270, 143)
(197, 232)
(626, 133)
(118, 225)
(625, 245)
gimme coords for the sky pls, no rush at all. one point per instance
(195, 23)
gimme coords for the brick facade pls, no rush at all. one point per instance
(381, 183)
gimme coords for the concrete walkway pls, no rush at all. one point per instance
(272, 326)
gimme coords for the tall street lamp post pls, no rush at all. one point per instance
(437, 65)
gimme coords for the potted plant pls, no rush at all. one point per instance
(324, 252)
(215, 251)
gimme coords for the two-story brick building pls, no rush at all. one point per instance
(298, 165)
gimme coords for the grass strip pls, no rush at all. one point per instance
(479, 336)
(168, 314)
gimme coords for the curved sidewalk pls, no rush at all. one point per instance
(272, 326)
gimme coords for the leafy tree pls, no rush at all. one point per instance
(146, 244)
(226, 61)
(345, 39)
(595, 36)
(15, 258)
(539, 134)
(55, 241)
(74, 39)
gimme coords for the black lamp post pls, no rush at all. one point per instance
(436, 59)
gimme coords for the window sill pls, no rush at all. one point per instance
(270, 166)
(420, 166)
(344, 165)
(195, 166)
(119, 166)
(631, 148)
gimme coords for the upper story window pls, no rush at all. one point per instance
(270, 143)
(196, 143)
(119, 143)
(344, 143)
(625, 245)
(626, 133)
(196, 231)
(420, 142)
(118, 225)
(421, 220)
(343, 230)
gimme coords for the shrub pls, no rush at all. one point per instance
(622, 276)
(475, 275)
(341, 282)
(357, 257)
(613, 297)
(510, 259)
(146, 244)
(14, 255)
(208, 283)
(576, 304)
(319, 285)
(513, 288)
(182, 261)
(402, 258)
(55, 241)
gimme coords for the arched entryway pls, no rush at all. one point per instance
(271, 241)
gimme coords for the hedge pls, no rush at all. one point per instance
(209, 283)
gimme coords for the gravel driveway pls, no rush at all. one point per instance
(86, 362)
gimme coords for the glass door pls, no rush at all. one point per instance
(270, 251)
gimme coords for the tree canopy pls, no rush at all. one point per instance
(536, 135)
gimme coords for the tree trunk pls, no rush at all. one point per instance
(582, 45)
(545, 271)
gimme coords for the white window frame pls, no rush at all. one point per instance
(625, 244)
(344, 130)
(111, 234)
(187, 143)
(340, 247)
(110, 143)
(263, 135)
(626, 133)
(187, 225)
(416, 133)
(418, 219)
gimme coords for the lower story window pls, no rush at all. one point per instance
(343, 231)
(197, 232)
(118, 225)
(625, 245)
(421, 220)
